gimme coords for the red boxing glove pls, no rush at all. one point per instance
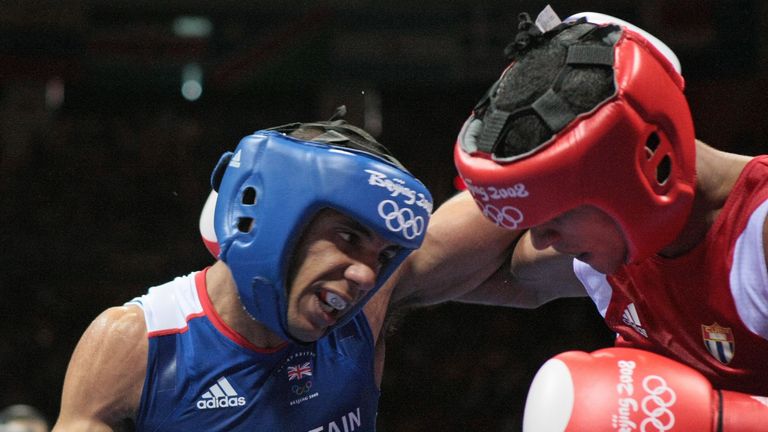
(627, 390)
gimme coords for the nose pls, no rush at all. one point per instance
(543, 237)
(362, 275)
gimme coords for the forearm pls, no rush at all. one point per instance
(502, 289)
(461, 251)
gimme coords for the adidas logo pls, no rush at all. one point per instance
(220, 395)
(631, 319)
(235, 161)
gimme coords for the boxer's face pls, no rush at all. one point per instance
(337, 261)
(586, 233)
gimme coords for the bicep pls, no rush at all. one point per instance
(105, 375)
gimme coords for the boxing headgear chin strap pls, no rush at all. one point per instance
(270, 188)
(633, 156)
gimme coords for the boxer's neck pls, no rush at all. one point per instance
(223, 294)
(716, 173)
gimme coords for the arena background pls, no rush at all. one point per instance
(104, 164)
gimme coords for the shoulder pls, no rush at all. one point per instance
(105, 376)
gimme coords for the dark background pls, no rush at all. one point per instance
(104, 165)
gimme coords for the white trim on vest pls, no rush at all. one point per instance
(595, 283)
(167, 306)
(749, 277)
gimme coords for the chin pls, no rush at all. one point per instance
(303, 337)
(307, 335)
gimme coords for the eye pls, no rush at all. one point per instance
(388, 254)
(349, 237)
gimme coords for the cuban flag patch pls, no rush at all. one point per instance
(719, 342)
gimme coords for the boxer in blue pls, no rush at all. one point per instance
(311, 219)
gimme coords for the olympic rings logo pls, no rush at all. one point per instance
(301, 389)
(660, 418)
(507, 217)
(401, 219)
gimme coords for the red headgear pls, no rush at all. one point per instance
(632, 156)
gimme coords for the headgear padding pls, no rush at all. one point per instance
(632, 156)
(273, 185)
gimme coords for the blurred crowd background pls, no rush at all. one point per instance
(113, 113)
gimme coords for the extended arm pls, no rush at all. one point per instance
(105, 376)
(465, 257)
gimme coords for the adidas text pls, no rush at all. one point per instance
(222, 402)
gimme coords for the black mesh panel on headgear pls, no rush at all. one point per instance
(509, 134)
(340, 133)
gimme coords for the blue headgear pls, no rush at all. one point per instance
(272, 186)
